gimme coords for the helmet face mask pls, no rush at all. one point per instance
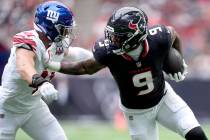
(127, 28)
(115, 39)
(55, 20)
(64, 32)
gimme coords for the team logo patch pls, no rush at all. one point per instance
(138, 64)
(59, 50)
(133, 24)
(52, 15)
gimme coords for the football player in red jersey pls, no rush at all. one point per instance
(135, 56)
(26, 80)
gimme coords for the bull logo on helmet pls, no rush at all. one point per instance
(133, 24)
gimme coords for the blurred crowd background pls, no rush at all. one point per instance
(190, 18)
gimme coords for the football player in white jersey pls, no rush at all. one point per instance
(26, 81)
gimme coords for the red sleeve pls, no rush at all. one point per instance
(24, 38)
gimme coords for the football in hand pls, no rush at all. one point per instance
(173, 62)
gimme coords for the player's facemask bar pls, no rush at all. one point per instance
(65, 37)
(64, 43)
(64, 32)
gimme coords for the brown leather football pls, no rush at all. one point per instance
(173, 62)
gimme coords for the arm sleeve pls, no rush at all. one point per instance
(21, 40)
(78, 54)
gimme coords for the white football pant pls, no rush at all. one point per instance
(39, 124)
(171, 112)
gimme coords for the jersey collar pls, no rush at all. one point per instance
(142, 54)
(145, 49)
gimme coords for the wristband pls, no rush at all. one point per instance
(37, 80)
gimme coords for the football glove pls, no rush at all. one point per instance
(179, 76)
(47, 91)
(44, 88)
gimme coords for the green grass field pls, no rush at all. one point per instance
(103, 131)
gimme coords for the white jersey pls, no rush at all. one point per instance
(15, 93)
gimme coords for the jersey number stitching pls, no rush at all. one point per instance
(144, 79)
(154, 31)
(105, 43)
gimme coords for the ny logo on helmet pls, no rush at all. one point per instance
(52, 15)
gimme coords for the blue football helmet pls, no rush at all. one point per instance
(55, 20)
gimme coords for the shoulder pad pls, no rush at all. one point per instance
(100, 51)
(158, 29)
(24, 40)
(160, 34)
(101, 44)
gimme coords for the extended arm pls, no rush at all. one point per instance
(25, 64)
(77, 54)
(88, 66)
(77, 61)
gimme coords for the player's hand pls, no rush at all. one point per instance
(48, 92)
(179, 76)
